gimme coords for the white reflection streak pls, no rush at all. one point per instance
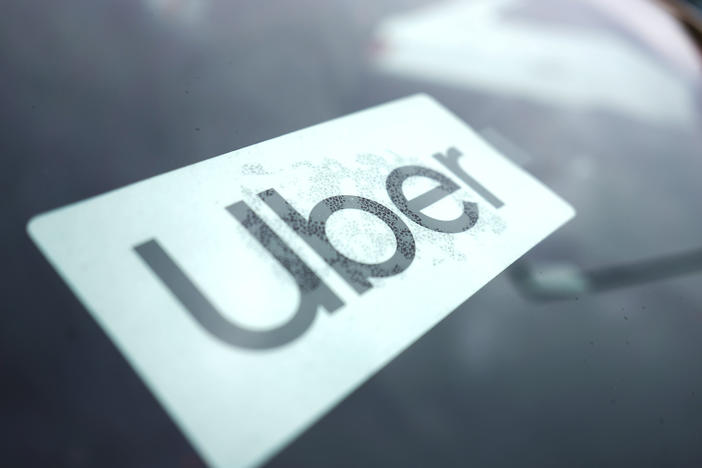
(470, 44)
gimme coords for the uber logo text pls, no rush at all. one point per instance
(314, 292)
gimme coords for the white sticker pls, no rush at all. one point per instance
(255, 290)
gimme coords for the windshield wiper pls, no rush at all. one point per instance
(548, 281)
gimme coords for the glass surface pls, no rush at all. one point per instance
(586, 352)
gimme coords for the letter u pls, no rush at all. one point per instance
(313, 291)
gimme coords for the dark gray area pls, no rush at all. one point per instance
(101, 93)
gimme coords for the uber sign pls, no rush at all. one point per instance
(254, 291)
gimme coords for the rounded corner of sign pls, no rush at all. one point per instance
(422, 96)
(34, 224)
(570, 211)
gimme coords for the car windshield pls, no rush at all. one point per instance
(584, 352)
